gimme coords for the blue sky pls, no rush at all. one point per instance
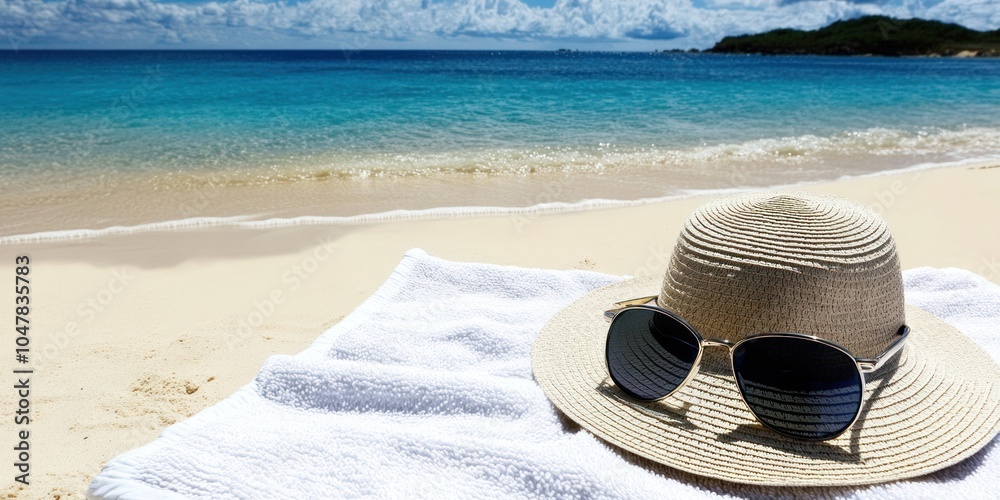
(439, 24)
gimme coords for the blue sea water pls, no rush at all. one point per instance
(189, 119)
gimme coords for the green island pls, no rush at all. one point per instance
(870, 35)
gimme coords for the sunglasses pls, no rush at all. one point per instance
(798, 385)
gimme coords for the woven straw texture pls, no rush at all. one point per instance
(787, 263)
(795, 263)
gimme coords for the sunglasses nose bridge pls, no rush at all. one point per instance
(717, 343)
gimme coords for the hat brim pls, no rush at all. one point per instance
(933, 407)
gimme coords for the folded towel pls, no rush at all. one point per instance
(426, 391)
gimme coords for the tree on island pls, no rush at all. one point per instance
(875, 35)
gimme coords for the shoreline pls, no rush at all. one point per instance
(252, 222)
(132, 333)
(473, 182)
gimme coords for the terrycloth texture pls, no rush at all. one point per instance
(426, 391)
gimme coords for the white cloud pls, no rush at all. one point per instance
(374, 23)
(976, 14)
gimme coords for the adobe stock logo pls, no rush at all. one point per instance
(87, 311)
(292, 279)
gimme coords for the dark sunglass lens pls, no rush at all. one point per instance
(799, 387)
(649, 353)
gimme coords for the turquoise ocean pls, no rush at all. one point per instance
(92, 139)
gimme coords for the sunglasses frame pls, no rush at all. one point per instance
(863, 365)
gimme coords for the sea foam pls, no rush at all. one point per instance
(257, 222)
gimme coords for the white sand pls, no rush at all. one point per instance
(165, 324)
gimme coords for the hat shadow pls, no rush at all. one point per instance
(760, 435)
(674, 413)
(962, 469)
(665, 410)
(956, 472)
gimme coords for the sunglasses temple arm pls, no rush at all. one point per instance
(618, 306)
(870, 365)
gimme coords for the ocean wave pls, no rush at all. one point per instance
(609, 158)
(769, 154)
(248, 222)
(254, 222)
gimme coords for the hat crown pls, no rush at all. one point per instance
(787, 262)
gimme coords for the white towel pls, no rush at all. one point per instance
(426, 391)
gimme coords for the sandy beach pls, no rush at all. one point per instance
(133, 333)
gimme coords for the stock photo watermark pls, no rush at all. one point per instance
(362, 38)
(29, 359)
(292, 279)
(887, 28)
(86, 312)
(123, 108)
(655, 263)
(990, 268)
(886, 198)
(550, 194)
(22, 372)
(30, 28)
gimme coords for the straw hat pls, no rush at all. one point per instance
(781, 262)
